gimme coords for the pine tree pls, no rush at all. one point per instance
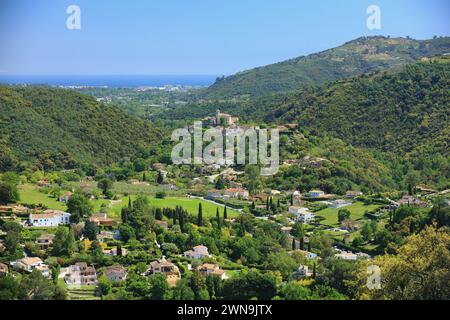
(200, 215)
(225, 215)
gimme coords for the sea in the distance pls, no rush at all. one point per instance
(113, 81)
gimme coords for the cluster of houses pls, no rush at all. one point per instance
(348, 255)
(83, 274)
(173, 273)
(236, 193)
(220, 119)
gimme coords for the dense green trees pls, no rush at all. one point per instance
(251, 284)
(64, 242)
(105, 185)
(13, 238)
(343, 214)
(90, 230)
(348, 60)
(79, 206)
(418, 271)
(56, 128)
(8, 193)
(37, 287)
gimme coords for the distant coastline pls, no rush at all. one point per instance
(111, 81)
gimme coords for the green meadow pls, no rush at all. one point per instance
(30, 194)
(357, 211)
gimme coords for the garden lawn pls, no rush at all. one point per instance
(357, 211)
(29, 194)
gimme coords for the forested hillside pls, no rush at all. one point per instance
(56, 128)
(403, 116)
(398, 112)
(360, 56)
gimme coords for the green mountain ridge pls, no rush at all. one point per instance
(61, 128)
(395, 112)
(360, 56)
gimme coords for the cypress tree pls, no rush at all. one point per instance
(309, 245)
(241, 231)
(278, 203)
(293, 244)
(119, 249)
(129, 203)
(292, 199)
(124, 214)
(200, 215)
(314, 271)
(267, 204)
(219, 225)
(182, 215)
(253, 205)
(225, 215)
(302, 243)
(144, 177)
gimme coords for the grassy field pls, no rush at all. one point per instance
(30, 194)
(357, 211)
(189, 204)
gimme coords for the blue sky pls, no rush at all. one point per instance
(194, 36)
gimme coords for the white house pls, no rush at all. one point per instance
(198, 252)
(309, 255)
(209, 268)
(79, 274)
(346, 256)
(116, 273)
(50, 218)
(316, 194)
(302, 214)
(31, 263)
